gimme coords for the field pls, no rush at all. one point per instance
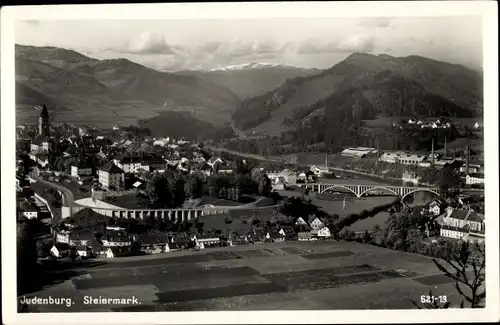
(287, 276)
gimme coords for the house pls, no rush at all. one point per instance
(81, 169)
(458, 223)
(214, 160)
(28, 209)
(473, 168)
(179, 240)
(60, 250)
(129, 164)
(476, 126)
(286, 176)
(115, 239)
(111, 176)
(288, 232)
(80, 238)
(306, 236)
(315, 223)
(237, 239)
(62, 236)
(453, 232)
(256, 236)
(206, 169)
(301, 222)
(83, 251)
(411, 177)
(476, 178)
(320, 170)
(206, 240)
(42, 144)
(151, 243)
(323, 232)
(113, 252)
(275, 236)
(278, 183)
(436, 207)
(225, 169)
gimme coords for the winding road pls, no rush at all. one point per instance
(67, 196)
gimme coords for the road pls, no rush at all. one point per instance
(67, 196)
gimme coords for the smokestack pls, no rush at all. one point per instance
(326, 159)
(378, 148)
(454, 153)
(432, 152)
(445, 147)
(467, 158)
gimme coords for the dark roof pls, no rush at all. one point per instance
(288, 230)
(147, 240)
(304, 235)
(62, 246)
(275, 234)
(110, 167)
(82, 235)
(477, 175)
(116, 238)
(162, 237)
(466, 215)
(95, 245)
(180, 236)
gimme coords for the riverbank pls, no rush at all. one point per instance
(367, 167)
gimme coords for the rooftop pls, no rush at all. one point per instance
(110, 167)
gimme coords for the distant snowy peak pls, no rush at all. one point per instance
(252, 65)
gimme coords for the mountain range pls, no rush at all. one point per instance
(250, 79)
(113, 91)
(363, 87)
(256, 97)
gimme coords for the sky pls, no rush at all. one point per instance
(179, 44)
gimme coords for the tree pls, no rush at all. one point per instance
(449, 178)
(157, 192)
(462, 259)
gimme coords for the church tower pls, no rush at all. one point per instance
(43, 122)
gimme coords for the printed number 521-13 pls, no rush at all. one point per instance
(431, 299)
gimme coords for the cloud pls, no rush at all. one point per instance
(380, 22)
(355, 43)
(148, 43)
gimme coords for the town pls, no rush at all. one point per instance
(307, 164)
(100, 193)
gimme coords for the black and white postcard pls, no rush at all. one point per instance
(282, 162)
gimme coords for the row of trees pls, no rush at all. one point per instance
(172, 188)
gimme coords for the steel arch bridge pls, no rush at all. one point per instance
(360, 190)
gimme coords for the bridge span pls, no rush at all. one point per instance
(360, 190)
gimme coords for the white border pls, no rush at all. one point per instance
(487, 9)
